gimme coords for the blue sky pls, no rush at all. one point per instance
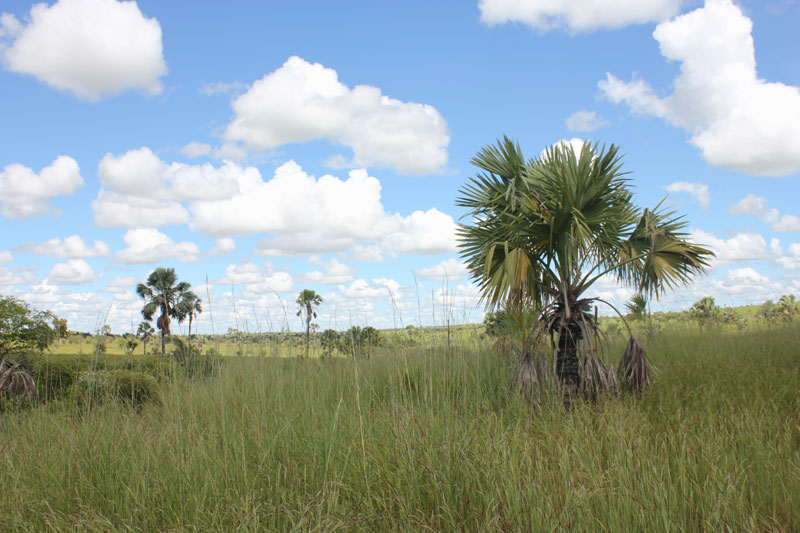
(275, 146)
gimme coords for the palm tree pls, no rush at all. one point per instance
(636, 306)
(305, 300)
(145, 331)
(190, 305)
(788, 306)
(163, 292)
(543, 231)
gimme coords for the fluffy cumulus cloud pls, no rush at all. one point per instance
(584, 120)
(577, 15)
(147, 245)
(5, 257)
(698, 191)
(333, 272)
(90, 48)
(302, 102)
(72, 272)
(222, 246)
(301, 214)
(139, 189)
(737, 120)
(790, 260)
(72, 247)
(448, 270)
(741, 247)
(756, 206)
(256, 280)
(308, 215)
(25, 194)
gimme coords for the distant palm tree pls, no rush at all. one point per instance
(543, 231)
(190, 305)
(637, 306)
(789, 306)
(162, 292)
(305, 301)
(145, 332)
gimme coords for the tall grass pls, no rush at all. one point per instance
(425, 438)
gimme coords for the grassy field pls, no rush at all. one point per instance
(425, 437)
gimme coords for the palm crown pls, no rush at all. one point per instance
(555, 224)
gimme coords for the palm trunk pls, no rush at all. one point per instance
(190, 328)
(308, 329)
(567, 363)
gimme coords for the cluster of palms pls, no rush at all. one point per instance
(544, 230)
(163, 293)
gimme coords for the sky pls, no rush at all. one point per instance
(260, 148)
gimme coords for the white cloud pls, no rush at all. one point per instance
(90, 48)
(584, 120)
(791, 260)
(5, 257)
(740, 247)
(368, 253)
(698, 191)
(256, 280)
(301, 102)
(221, 87)
(120, 285)
(746, 283)
(756, 206)
(125, 211)
(577, 15)
(737, 120)
(72, 272)
(143, 190)
(72, 247)
(222, 246)
(333, 272)
(26, 194)
(576, 143)
(448, 270)
(147, 245)
(196, 149)
(377, 289)
(308, 215)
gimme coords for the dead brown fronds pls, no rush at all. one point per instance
(635, 367)
(16, 382)
(596, 377)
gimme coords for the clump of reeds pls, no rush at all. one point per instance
(16, 382)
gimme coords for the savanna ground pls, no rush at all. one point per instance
(424, 436)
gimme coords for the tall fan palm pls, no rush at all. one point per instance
(305, 301)
(543, 231)
(162, 292)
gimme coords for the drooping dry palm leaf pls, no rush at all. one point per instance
(16, 382)
(635, 367)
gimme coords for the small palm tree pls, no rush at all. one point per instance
(543, 231)
(145, 332)
(636, 306)
(306, 300)
(163, 292)
(190, 305)
(788, 306)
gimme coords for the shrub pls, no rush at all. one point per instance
(92, 387)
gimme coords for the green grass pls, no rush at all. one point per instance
(425, 438)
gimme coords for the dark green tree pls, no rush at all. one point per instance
(23, 329)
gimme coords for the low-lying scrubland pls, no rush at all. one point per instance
(424, 436)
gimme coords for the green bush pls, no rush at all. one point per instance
(55, 374)
(92, 387)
